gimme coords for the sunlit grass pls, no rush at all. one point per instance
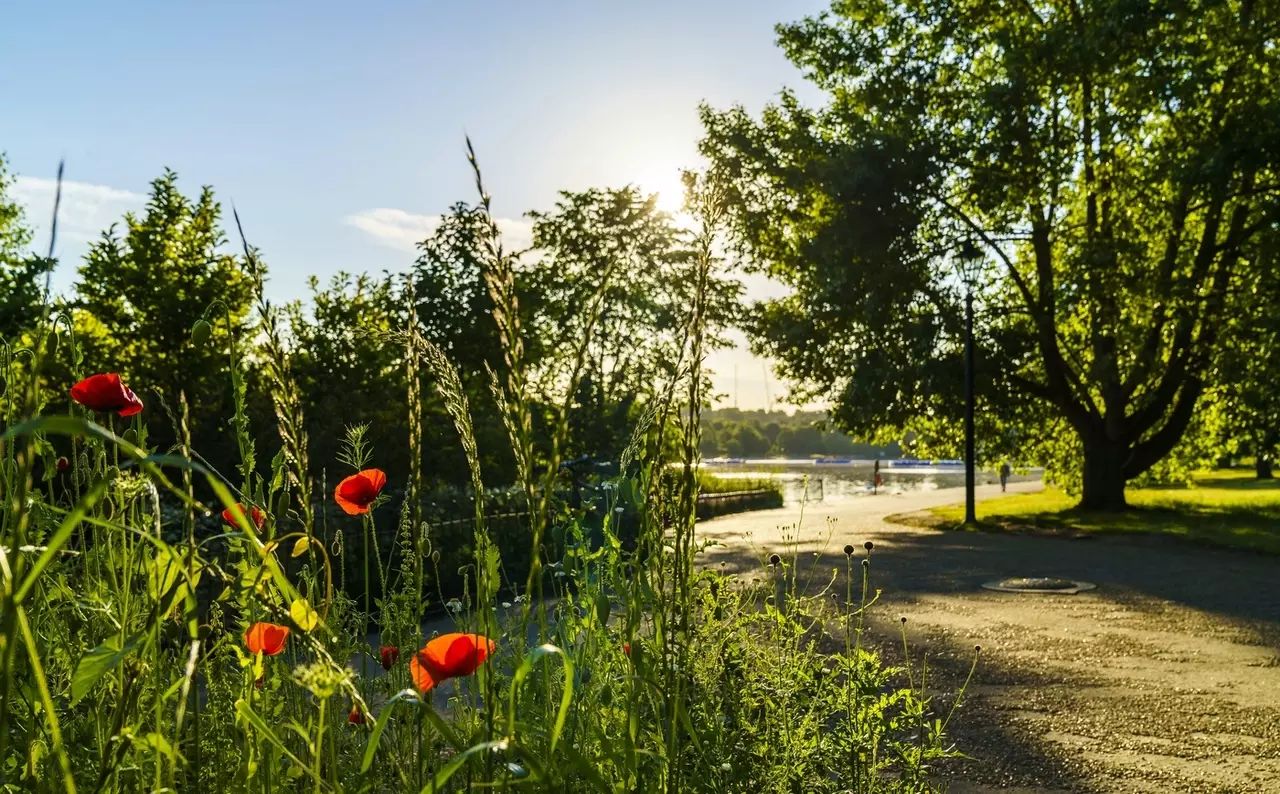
(1227, 508)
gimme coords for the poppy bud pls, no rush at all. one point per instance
(355, 717)
(131, 436)
(201, 331)
(388, 655)
(868, 545)
(848, 550)
(63, 464)
(774, 559)
(51, 343)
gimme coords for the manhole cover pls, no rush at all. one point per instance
(1039, 584)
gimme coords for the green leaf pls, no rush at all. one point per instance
(277, 471)
(459, 760)
(246, 711)
(158, 743)
(162, 572)
(587, 769)
(98, 662)
(566, 697)
(61, 537)
(371, 747)
(446, 732)
(304, 615)
(602, 608)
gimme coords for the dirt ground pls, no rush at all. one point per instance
(1166, 678)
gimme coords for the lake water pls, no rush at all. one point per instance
(834, 481)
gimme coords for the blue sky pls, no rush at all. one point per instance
(337, 127)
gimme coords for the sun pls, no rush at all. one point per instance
(663, 179)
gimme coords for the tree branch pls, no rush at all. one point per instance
(1147, 453)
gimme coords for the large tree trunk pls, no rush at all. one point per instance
(1104, 476)
(1262, 467)
(1264, 445)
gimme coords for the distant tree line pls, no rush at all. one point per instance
(729, 432)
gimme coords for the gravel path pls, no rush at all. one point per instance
(1166, 678)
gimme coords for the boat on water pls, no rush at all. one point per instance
(932, 464)
(835, 461)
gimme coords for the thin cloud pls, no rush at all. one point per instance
(403, 231)
(86, 209)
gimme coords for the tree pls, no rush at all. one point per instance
(454, 308)
(1248, 365)
(349, 371)
(752, 442)
(1111, 160)
(612, 268)
(455, 312)
(22, 275)
(140, 291)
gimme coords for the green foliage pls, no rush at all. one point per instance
(349, 371)
(22, 274)
(451, 292)
(142, 288)
(728, 432)
(1112, 165)
(1248, 366)
(124, 658)
(613, 268)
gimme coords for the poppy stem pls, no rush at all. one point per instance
(324, 701)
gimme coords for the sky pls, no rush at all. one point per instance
(337, 128)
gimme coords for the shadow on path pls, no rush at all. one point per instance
(1165, 678)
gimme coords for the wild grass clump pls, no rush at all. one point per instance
(137, 658)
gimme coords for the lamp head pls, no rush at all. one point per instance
(969, 257)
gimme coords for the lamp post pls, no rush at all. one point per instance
(970, 256)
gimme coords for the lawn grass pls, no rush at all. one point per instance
(1226, 508)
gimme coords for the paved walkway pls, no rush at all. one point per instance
(1164, 679)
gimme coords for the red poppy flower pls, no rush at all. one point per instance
(258, 517)
(449, 656)
(106, 394)
(63, 464)
(267, 638)
(389, 655)
(626, 649)
(356, 493)
(355, 716)
(258, 683)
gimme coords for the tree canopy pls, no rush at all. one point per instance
(1247, 369)
(143, 286)
(22, 274)
(1112, 160)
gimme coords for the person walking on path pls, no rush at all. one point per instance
(875, 481)
(1005, 471)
